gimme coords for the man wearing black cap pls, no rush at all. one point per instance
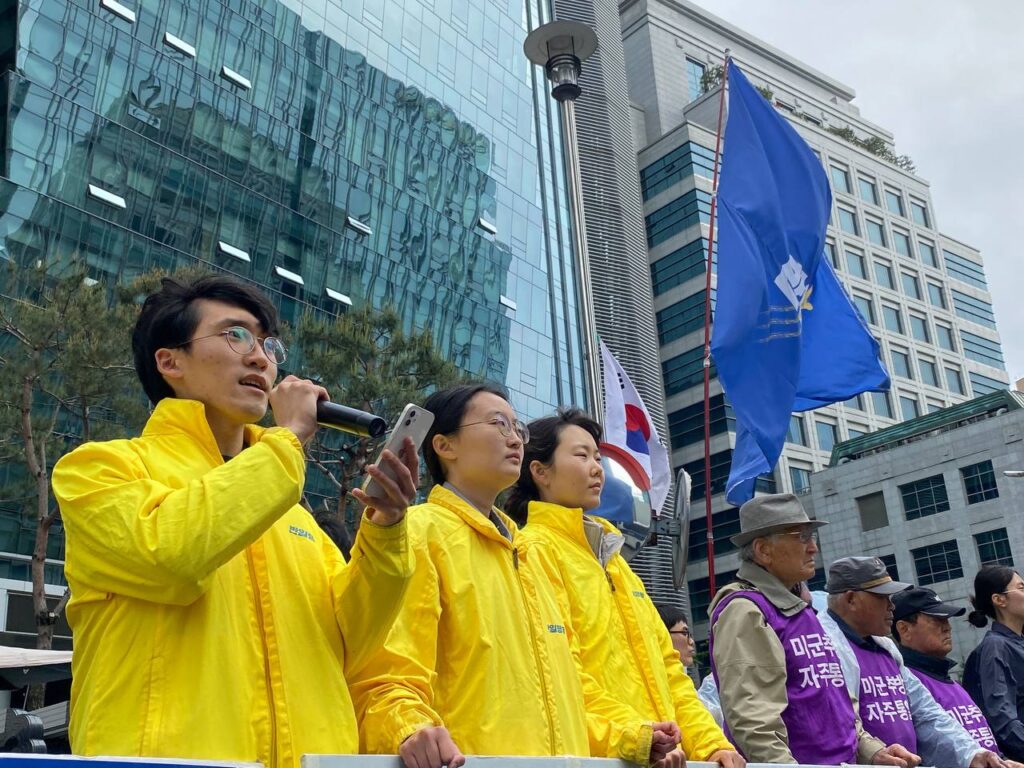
(893, 705)
(782, 689)
(922, 631)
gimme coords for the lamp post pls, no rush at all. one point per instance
(561, 47)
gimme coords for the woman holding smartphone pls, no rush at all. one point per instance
(624, 644)
(479, 660)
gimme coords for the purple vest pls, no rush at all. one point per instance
(952, 697)
(819, 716)
(884, 706)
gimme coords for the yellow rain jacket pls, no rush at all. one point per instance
(212, 617)
(624, 644)
(481, 646)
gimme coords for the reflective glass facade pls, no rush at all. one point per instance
(396, 152)
(390, 152)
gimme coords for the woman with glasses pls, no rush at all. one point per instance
(480, 660)
(994, 675)
(624, 645)
(678, 625)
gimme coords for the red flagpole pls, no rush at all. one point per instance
(707, 334)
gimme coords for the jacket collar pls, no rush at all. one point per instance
(932, 666)
(769, 586)
(174, 416)
(1005, 631)
(574, 525)
(473, 517)
(851, 635)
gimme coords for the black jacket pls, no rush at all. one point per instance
(994, 676)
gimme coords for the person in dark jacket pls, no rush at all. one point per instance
(994, 674)
(920, 625)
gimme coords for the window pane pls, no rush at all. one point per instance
(944, 337)
(924, 497)
(939, 562)
(901, 364)
(868, 191)
(694, 73)
(800, 478)
(936, 296)
(866, 308)
(840, 179)
(796, 432)
(876, 232)
(855, 264)
(928, 255)
(890, 566)
(901, 243)
(893, 319)
(882, 406)
(919, 213)
(911, 286)
(919, 328)
(832, 255)
(826, 435)
(908, 407)
(883, 275)
(894, 202)
(848, 222)
(979, 482)
(994, 548)
(954, 381)
(929, 374)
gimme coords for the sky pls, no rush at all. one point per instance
(947, 79)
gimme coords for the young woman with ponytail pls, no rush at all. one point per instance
(624, 646)
(994, 674)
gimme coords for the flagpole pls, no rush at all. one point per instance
(707, 332)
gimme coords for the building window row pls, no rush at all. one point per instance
(681, 163)
(965, 270)
(682, 265)
(867, 190)
(982, 350)
(685, 211)
(683, 317)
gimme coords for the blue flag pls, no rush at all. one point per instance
(786, 336)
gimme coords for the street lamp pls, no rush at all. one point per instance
(561, 47)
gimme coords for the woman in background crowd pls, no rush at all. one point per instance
(994, 675)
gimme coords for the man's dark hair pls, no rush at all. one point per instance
(545, 434)
(169, 317)
(910, 619)
(449, 406)
(670, 615)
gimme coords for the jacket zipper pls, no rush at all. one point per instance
(640, 665)
(266, 658)
(536, 652)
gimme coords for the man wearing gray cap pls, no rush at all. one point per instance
(893, 704)
(780, 680)
(924, 638)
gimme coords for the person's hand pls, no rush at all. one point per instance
(431, 747)
(896, 754)
(728, 758)
(1012, 764)
(674, 759)
(294, 403)
(666, 737)
(399, 493)
(986, 759)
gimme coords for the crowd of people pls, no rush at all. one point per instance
(213, 619)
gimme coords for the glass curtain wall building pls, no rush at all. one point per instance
(922, 293)
(398, 152)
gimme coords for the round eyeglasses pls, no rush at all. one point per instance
(505, 427)
(243, 341)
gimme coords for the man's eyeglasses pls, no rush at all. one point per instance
(806, 537)
(683, 632)
(505, 427)
(243, 341)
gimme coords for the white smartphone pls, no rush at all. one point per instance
(414, 422)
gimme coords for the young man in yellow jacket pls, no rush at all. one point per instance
(624, 644)
(212, 618)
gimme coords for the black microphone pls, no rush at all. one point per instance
(349, 420)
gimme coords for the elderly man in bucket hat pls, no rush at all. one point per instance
(780, 680)
(893, 704)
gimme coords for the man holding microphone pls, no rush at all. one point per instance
(212, 617)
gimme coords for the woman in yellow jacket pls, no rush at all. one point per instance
(623, 643)
(481, 659)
